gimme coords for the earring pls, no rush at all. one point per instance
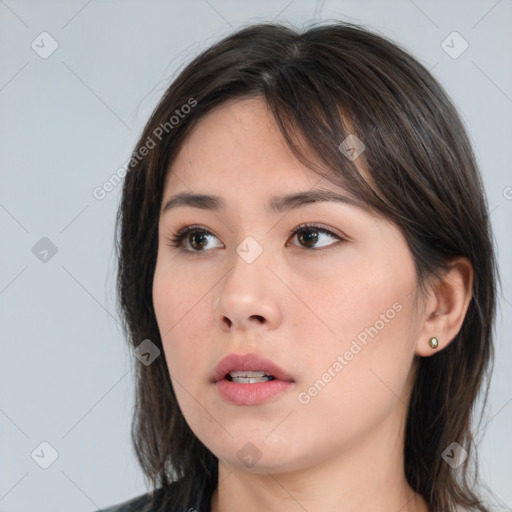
(433, 342)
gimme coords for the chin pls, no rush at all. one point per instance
(257, 455)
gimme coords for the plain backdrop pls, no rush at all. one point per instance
(78, 80)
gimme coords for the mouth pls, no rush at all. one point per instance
(249, 369)
(250, 380)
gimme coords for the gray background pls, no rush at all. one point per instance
(70, 120)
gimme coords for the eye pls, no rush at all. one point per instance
(310, 235)
(196, 236)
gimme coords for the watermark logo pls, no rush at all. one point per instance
(44, 250)
(44, 45)
(454, 455)
(44, 455)
(352, 147)
(249, 454)
(249, 249)
(147, 352)
(454, 45)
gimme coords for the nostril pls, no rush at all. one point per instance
(259, 318)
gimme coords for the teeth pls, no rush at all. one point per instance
(246, 377)
(247, 374)
(250, 380)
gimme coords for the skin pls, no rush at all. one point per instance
(300, 305)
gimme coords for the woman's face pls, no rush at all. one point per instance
(333, 308)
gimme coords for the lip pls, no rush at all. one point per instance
(249, 362)
(250, 394)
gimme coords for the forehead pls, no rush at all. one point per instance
(238, 145)
(236, 159)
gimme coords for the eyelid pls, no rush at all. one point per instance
(194, 227)
(319, 227)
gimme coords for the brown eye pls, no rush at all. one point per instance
(198, 240)
(309, 236)
(192, 239)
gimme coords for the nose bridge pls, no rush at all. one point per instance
(246, 291)
(249, 270)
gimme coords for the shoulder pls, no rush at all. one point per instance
(141, 503)
(170, 497)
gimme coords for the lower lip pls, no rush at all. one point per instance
(251, 394)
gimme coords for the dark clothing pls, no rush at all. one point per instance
(167, 500)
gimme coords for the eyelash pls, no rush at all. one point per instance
(176, 239)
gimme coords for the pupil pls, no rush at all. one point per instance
(194, 239)
(310, 236)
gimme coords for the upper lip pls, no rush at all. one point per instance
(249, 362)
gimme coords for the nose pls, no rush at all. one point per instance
(248, 297)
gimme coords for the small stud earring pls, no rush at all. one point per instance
(433, 342)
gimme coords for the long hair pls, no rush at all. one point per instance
(323, 84)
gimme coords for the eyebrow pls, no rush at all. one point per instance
(275, 205)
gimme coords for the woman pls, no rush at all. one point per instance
(306, 272)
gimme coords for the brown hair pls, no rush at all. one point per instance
(424, 178)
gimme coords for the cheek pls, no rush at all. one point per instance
(185, 318)
(349, 300)
(367, 337)
(354, 382)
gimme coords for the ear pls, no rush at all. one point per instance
(445, 307)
